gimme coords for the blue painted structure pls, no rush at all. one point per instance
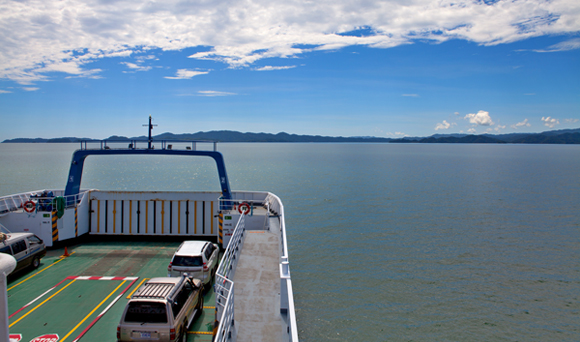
(78, 159)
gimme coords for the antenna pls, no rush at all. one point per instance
(150, 129)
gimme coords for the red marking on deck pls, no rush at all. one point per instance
(15, 337)
(46, 338)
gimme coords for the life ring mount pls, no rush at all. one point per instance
(244, 208)
(29, 206)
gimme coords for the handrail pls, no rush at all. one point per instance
(41, 198)
(224, 286)
(286, 293)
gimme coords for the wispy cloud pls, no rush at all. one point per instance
(4, 91)
(271, 68)
(550, 122)
(184, 74)
(136, 67)
(444, 125)
(30, 88)
(524, 123)
(396, 134)
(410, 95)
(571, 120)
(241, 32)
(568, 45)
(212, 93)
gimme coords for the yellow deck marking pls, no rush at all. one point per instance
(39, 305)
(201, 332)
(95, 309)
(209, 307)
(36, 273)
(137, 287)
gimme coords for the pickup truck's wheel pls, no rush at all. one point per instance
(182, 334)
(35, 262)
(199, 307)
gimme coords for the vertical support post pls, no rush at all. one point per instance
(221, 229)
(54, 227)
(7, 265)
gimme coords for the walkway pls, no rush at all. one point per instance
(257, 289)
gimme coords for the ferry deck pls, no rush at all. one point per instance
(104, 244)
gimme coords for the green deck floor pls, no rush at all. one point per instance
(71, 307)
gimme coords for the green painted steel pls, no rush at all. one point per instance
(70, 308)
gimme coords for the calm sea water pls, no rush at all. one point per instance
(389, 242)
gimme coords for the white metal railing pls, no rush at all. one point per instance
(286, 294)
(43, 200)
(224, 286)
(226, 269)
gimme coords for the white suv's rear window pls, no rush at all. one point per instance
(188, 261)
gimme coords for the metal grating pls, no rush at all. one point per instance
(154, 290)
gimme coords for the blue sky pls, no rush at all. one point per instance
(334, 68)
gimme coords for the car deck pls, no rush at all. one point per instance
(84, 295)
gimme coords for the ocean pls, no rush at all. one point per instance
(389, 242)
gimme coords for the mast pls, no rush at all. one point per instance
(150, 129)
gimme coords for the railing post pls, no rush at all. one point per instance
(7, 265)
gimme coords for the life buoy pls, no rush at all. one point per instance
(29, 206)
(244, 208)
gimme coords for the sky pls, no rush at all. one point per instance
(389, 68)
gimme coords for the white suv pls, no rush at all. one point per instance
(161, 310)
(198, 259)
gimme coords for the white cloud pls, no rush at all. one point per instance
(271, 68)
(211, 93)
(184, 74)
(396, 134)
(136, 67)
(498, 128)
(482, 118)
(36, 35)
(471, 131)
(410, 95)
(521, 124)
(550, 122)
(444, 125)
(30, 88)
(4, 91)
(571, 120)
(568, 45)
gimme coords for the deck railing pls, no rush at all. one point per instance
(43, 200)
(227, 267)
(224, 286)
(193, 145)
(286, 293)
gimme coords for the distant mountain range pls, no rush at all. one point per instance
(564, 136)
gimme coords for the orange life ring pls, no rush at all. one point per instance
(244, 211)
(29, 206)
